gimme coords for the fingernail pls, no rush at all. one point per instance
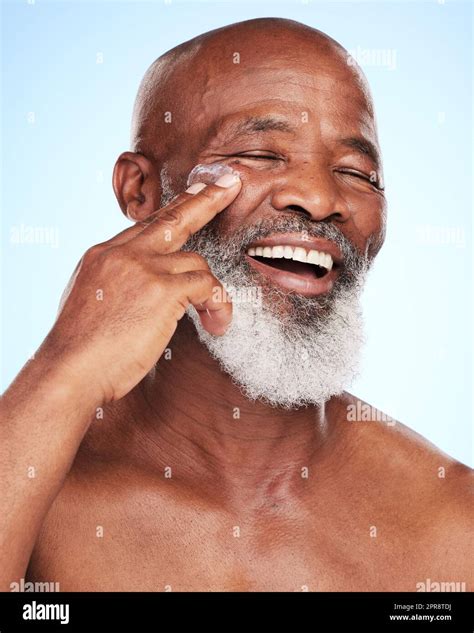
(196, 188)
(227, 180)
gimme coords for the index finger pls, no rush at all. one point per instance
(175, 223)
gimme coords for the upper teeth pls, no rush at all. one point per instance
(297, 253)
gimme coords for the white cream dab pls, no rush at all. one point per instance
(208, 173)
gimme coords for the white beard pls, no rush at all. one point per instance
(301, 355)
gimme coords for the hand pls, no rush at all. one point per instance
(126, 296)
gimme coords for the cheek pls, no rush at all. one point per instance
(243, 211)
(367, 222)
(378, 236)
(248, 207)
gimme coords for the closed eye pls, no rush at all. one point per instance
(362, 176)
(262, 156)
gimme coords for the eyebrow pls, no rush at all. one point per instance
(363, 146)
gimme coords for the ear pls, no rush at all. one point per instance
(136, 185)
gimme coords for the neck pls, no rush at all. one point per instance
(218, 442)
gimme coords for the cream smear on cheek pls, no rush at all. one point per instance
(209, 173)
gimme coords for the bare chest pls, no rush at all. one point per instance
(199, 551)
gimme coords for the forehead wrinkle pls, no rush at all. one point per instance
(265, 82)
(254, 124)
(320, 95)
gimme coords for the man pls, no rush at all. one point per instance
(143, 449)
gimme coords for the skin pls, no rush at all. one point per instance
(236, 513)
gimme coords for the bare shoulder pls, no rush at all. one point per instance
(402, 449)
(428, 493)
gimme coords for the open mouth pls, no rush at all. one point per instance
(299, 269)
(297, 260)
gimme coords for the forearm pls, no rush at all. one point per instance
(45, 414)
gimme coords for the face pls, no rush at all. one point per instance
(308, 221)
(304, 142)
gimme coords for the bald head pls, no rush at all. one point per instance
(181, 88)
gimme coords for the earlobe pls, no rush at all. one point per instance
(136, 189)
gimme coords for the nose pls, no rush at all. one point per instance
(312, 191)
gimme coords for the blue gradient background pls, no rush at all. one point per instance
(57, 173)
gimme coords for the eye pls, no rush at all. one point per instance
(372, 179)
(258, 155)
